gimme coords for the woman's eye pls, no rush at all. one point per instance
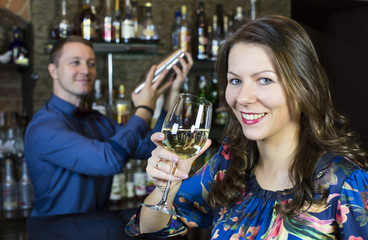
(235, 81)
(265, 81)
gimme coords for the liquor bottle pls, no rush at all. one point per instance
(220, 18)
(226, 26)
(185, 36)
(99, 103)
(202, 83)
(18, 48)
(175, 32)
(185, 87)
(122, 106)
(25, 187)
(129, 181)
(149, 31)
(2, 129)
(137, 26)
(139, 178)
(253, 13)
(62, 27)
(127, 27)
(214, 39)
(213, 92)
(117, 22)
(116, 190)
(239, 18)
(107, 27)
(88, 22)
(9, 185)
(14, 138)
(201, 36)
(220, 114)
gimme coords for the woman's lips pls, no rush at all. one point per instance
(252, 118)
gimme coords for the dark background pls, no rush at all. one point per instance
(339, 30)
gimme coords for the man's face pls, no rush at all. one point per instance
(76, 72)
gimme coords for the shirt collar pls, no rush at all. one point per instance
(62, 105)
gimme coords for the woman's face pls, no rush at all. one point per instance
(257, 96)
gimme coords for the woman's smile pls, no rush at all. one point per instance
(252, 118)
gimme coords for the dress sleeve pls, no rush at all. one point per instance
(191, 200)
(352, 212)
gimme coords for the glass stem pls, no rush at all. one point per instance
(168, 184)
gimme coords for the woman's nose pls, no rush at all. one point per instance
(247, 94)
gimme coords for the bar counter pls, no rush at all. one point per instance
(107, 225)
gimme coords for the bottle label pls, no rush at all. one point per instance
(140, 184)
(107, 30)
(122, 113)
(25, 195)
(116, 188)
(129, 189)
(127, 29)
(116, 25)
(10, 199)
(88, 29)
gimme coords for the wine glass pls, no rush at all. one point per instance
(186, 128)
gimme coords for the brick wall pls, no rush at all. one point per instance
(127, 69)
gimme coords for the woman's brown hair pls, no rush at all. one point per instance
(322, 128)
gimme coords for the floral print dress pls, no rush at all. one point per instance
(254, 215)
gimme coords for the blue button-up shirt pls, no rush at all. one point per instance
(71, 160)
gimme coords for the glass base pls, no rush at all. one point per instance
(161, 208)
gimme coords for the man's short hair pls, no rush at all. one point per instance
(56, 49)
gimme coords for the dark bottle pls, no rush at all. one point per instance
(213, 92)
(2, 129)
(201, 36)
(220, 18)
(149, 31)
(107, 27)
(202, 84)
(127, 26)
(214, 39)
(62, 27)
(136, 17)
(175, 31)
(18, 48)
(88, 22)
(239, 18)
(185, 34)
(116, 23)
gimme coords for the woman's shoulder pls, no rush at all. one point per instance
(335, 171)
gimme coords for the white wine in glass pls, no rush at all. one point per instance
(186, 128)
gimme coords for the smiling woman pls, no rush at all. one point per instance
(288, 168)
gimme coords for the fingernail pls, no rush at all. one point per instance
(175, 159)
(184, 175)
(160, 136)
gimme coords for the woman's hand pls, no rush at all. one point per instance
(159, 164)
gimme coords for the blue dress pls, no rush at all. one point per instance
(345, 216)
(71, 159)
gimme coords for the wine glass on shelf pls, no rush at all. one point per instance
(186, 128)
